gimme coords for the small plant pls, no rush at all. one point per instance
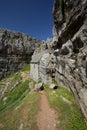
(54, 82)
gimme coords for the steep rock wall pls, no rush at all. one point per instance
(70, 32)
(15, 50)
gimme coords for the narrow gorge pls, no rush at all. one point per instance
(62, 58)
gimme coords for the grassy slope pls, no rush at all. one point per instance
(22, 114)
(21, 106)
(19, 109)
(69, 116)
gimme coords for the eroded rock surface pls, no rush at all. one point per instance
(70, 30)
(15, 50)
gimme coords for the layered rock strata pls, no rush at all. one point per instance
(70, 44)
(15, 50)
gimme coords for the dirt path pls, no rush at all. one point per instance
(46, 118)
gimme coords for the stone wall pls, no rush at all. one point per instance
(15, 50)
(70, 30)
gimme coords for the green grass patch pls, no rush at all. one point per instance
(9, 75)
(69, 115)
(26, 67)
(20, 106)
(24, 113)
(15, 96)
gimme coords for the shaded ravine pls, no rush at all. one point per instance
(47, 117)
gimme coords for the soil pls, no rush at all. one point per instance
(1, 125)
(47, 117)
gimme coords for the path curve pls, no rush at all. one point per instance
(46, 118)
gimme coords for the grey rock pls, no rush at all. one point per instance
(56, 52)
(42, 66)
(39, 86)
(46, 67)
(52, 86)
(71, 61)
(15, 50)
(5, 99)
(70, 16)
(34, 65)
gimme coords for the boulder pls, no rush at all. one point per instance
(15, 50)
(53, 86)
(39, 86)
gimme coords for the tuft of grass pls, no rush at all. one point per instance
(26, 67)
(69, 115)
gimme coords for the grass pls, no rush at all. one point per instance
(22, 113)
(26, 67)
(20, 106)
(69, 115)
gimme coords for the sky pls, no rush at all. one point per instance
(33, 17)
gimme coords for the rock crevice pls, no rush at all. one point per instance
(71, 41)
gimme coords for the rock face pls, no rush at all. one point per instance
(42, 66)
(15, 50)
(46, 68)
(70, 30)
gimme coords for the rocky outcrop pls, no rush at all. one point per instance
(70, 32)
(15, 50)
(42, 66)
(46, 67)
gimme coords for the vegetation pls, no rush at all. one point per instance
(26, 67)
(22, 115)
(18, 107)
(69, 115)
(15, 96)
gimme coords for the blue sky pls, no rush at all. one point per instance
(33, 17)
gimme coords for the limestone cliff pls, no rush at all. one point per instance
(15, 50)
(70, 41)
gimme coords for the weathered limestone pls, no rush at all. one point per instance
(71, 59)
(42, 66)
(15, 50)
(34, 65)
